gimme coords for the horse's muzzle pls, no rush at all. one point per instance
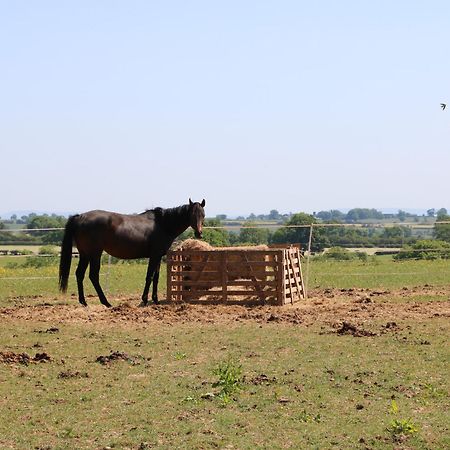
(198, 234)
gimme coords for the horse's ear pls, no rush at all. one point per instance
(203, 203)
(190, 202)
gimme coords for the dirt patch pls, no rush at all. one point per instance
(348, 328)
(23, 358)
(329, 307)
(262, 379)
(67, 374)
(116, 356)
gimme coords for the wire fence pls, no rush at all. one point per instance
(358, 267)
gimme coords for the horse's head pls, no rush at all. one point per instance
(197, 216)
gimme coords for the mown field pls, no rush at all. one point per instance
(361, 364)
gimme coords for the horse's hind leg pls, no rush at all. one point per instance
(81, 270)
(153, 266)
(94, 276)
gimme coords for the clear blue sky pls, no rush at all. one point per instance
(252, 105)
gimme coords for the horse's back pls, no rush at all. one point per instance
(121, 235)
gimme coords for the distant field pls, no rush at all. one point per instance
(13, 226)
(32, 248)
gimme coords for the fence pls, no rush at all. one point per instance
(269, 275)
(370, 271)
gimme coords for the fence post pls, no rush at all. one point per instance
(307, 260)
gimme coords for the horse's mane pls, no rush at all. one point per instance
(167, 213)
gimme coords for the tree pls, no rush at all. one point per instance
(300, 235)
(442, 230)
(274, 215)
(46, 221)
(357, 214)
(441, 213)
(332, 215)
(401, 215)
(253, 235)
(397, 232)
(431, 212)
(425, 249)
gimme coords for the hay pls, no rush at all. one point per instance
(192, 244)
(196, 244)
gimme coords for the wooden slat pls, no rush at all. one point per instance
(217, 251)
(202, 283)
(239, 264)
(229, 293)
(287, 262)
(211, 264)
(294, 271)
(217, 283)
(295, 290)
(231, 275)
(232, 265)
(224, 275)
(295, 277)
(279, 279)
(192, 273)
(251, 283)
(301, 276)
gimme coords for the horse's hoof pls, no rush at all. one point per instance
(107, 304)
(83, 304)
(156, 301)
(143, 304)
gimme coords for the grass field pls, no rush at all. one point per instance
(134, 378)
(125, 279)
(380, 272)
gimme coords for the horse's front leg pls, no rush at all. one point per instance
(155, 284)
(153, 263)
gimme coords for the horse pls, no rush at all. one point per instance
(125, 236)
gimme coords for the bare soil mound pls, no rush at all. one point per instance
(334, 307)
(23, 358)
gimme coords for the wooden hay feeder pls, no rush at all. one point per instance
(273, 275)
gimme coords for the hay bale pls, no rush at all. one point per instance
(192, 244)
(196, 244)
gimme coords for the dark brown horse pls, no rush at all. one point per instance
(146, 235)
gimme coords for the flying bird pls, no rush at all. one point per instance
(443, 106)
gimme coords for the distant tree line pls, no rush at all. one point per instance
(365, 214)
(30, 222)
(332, 235)
(352, 216)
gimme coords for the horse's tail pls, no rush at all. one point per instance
(66, 254)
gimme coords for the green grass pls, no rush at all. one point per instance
(287, 386)
(117, 280)
(380, 272)
(299, 388)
